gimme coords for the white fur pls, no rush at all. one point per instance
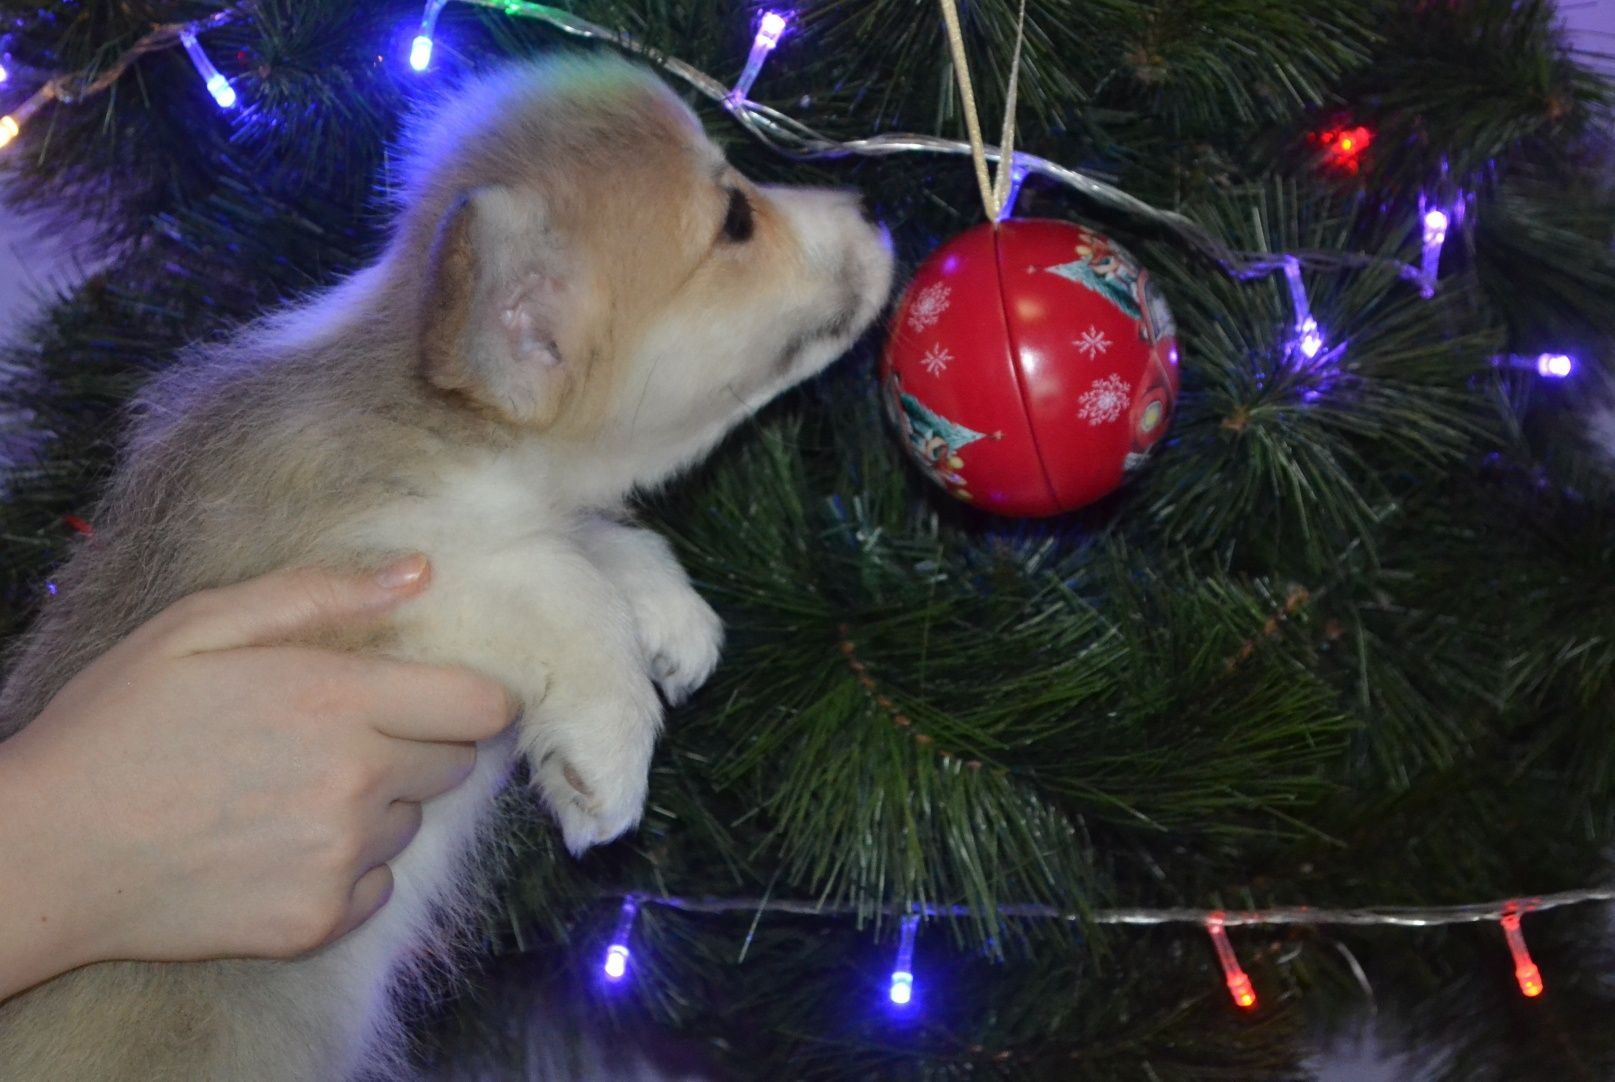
(517, 579)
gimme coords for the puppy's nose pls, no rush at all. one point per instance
(866, 209)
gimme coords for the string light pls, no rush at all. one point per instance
(783, 133)
(1525, 970)
(1018, 172)
(420, 50)
(792, 138)
(77, 87)
(616, 963)
(769, 29)
(902, 989)
(11, 124)
(1308, 338)
(1299, 915)
(1343, 147)
(1555, 365)
(4, 74)
(217, 84)
(1546, 365)
(1239, 985)
(1214, 921)
(1436, 222)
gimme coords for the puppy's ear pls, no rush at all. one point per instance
(493, 307)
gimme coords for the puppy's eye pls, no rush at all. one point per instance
(737, 223)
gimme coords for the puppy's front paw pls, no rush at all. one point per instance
(591, 758)
(681, 636)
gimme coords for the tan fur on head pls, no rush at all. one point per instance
(579, 297)
(562, 243)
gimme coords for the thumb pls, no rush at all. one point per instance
(284, 604)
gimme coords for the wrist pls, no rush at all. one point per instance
(47, 920)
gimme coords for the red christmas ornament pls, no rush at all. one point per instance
(1030, 366)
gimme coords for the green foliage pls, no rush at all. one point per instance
(1345, 640)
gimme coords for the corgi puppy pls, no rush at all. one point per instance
(579, 298)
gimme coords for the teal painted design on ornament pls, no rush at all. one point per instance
(925, 428)
(933, 440)
(1113, 281)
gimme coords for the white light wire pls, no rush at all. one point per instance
(1365, 916)
(794, 139)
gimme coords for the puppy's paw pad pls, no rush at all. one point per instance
(590, 746)
(585, 818)
(575, 780)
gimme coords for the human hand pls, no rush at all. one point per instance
(200, 792)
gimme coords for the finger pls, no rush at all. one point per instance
(430, 702)
(370, 893)
(418, 770)
(400, 822)
(284, 604)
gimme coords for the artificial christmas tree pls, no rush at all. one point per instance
(1341, 643)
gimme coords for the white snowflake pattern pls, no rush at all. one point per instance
(1093, 342)
(928, 306)
(1104, 401)
(936, 360)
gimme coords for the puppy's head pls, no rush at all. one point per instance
(595, 270)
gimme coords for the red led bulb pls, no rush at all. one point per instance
(1525, 970)
(1343, 146)
(1239, 985)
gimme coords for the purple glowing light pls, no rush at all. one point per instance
(420, 52)
(1018, 173)
(4, 74)
(770, 29)
(1309, 338)
(222, 91)
(217, 85)
(1555, 365)
(616, 963)
(1436, 222)
(902, 989)
(1546, 365)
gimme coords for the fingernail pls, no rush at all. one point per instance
(405, 571)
